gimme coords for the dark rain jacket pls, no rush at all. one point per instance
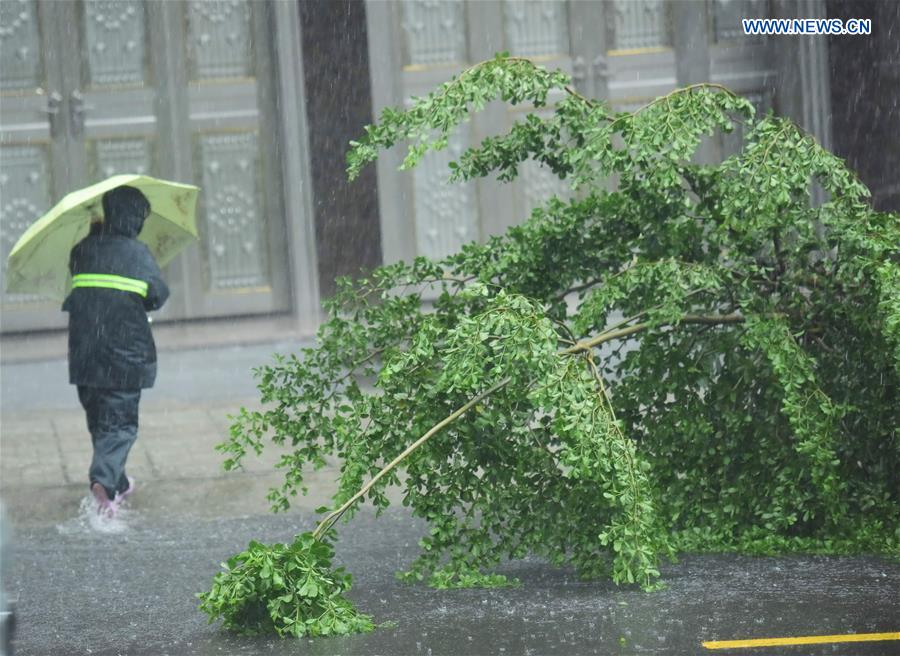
(110, 343)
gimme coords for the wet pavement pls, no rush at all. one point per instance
(82, 591)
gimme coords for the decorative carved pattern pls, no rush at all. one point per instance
(640, 24)
(435, 31)
(219, 39)
(727, 15)
(536, 28)
(24, 197)
(114, 156)
(236, 250)
(115, 35)
(446, 214)
(20, 45)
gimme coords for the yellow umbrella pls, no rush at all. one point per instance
(39, 262)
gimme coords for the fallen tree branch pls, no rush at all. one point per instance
(332, 517)
(625, 332)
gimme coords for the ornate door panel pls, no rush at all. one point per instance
(240, 266)
(627, 52)
(657, 45)
(542, 31)
(640, 58)
(112, 118)
(34, 163)
(416, 45)
(434, 42)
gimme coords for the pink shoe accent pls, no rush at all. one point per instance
(121, 496)
(127, 492)
(104, 505)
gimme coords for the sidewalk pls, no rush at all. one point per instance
(45, 448)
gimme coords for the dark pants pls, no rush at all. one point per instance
(112, 419)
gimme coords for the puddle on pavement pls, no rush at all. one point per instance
(89, 521)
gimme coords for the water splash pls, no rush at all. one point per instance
(88, 520)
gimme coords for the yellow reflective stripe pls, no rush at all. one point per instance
(111, 282)
(802, 640)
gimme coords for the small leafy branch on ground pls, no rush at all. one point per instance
(701, 359)
(290, 590)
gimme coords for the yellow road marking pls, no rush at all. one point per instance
(801, 640)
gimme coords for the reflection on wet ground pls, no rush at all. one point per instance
(132, 592)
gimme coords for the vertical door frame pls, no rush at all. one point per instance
(391, 82)
(494, 199)
(295, 166)
(167, 35)
(589, 46)
(54, 17)
(45, 314)
(283, 146)
(395, 213)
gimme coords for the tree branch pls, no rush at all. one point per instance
(374, 354)
(332, 517)
(577, 288)
(625, 332)
(640, 314)
(700, 85)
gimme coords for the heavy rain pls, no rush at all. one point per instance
(562, 326)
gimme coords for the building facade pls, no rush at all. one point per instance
(204, 92)
(256, 101)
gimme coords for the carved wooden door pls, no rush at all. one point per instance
(35, 162)
(657, 45)
(418, 44)
(179, 90)
(626, 52)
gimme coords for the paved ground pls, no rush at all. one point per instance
(87, 593)
(44, 443)
(131, 592)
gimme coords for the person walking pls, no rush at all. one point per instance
(112, 355)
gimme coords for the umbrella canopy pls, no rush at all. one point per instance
(39, 262)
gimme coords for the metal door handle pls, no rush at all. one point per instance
(600, 67)
(54, 103)
(77, 110)
(578, 72)
(54, 100)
